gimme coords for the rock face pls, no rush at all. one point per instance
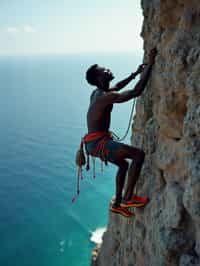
(167, 127)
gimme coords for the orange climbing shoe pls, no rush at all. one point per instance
(135, 201)
(122, 211)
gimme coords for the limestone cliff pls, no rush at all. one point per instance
(167, 126)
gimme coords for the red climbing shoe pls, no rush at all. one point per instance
(140, 199)
(122, 211)
(135, 201)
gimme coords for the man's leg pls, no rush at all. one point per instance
(120, 179)
(133, 175)
(137, 155)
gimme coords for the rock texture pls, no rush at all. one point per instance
(167, 127)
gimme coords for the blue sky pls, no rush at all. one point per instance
(69, 26)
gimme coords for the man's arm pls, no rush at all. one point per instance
(115, 97)
(120, 85)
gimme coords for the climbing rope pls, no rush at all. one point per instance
(129, 124)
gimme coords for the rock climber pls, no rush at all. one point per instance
(99, 141)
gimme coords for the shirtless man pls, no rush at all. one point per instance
(98, 141)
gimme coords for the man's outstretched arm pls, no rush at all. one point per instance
(139, 88)
(121, 84)
(115, 97)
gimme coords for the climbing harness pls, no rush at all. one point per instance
(99, 150)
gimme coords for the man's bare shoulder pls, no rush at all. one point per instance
(103, 98)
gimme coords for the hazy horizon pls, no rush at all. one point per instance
(74, 53)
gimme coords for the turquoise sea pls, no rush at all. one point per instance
(43, 103)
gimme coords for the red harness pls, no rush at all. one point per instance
(100, 150)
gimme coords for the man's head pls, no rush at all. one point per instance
(98, 76)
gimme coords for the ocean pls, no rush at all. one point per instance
(43, 105)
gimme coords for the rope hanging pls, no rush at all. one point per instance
(129, 123)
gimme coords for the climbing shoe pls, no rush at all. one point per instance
(141, 199)
(120, 210)
(135, 201)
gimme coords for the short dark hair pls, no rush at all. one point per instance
(91, 75)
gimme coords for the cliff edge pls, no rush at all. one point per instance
(167, 127)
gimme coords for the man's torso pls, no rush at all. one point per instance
(98, 117)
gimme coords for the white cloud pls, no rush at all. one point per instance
(12, 30)
(28, 29)
(25, 28)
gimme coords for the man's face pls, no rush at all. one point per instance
(104, 74)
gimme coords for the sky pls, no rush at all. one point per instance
(69, 26)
